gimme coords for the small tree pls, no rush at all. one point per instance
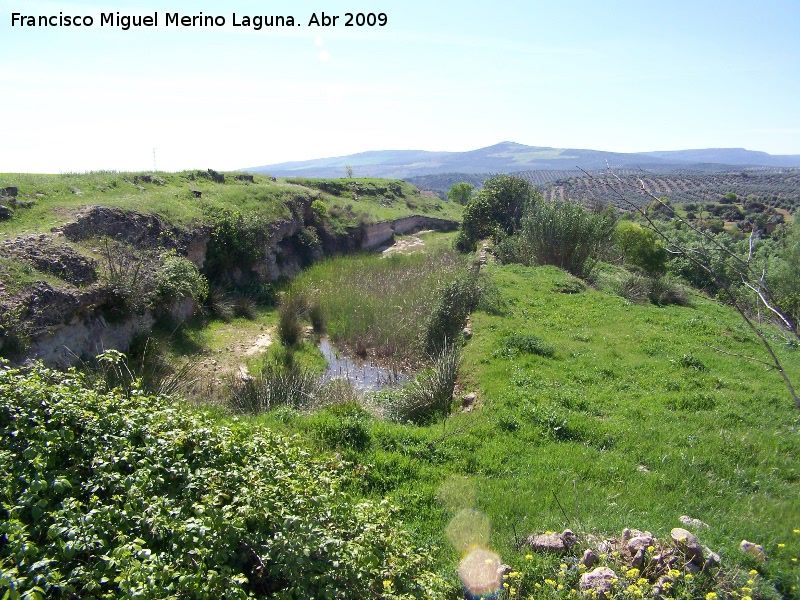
(496, 209)
(461, 193)
(641, 247)
(348, 170)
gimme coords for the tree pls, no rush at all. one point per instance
(641, 247)
(461, 193)
(496, 209)
(348, 170)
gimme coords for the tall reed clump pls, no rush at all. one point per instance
(565, 235)
(380, 304)
(430, 393)
(273, 386)
(291, 310)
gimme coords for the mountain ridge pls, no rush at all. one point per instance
(513, 157)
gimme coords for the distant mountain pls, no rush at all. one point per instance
(510, 157)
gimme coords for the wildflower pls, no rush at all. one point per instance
(674, 573)
(512, 590)
(563, 566)
(753, 572)
(505, 585)
(642, 581)
(550, 582)
(529, 557)
(746, 598)
(711, 596)
(794, 560)
(387, 583)
(781, 545)
(537, 585)
(795, 530)
(750, 582)
(632, 573)
(747, 590)
(688, 576)
(650, 548)
(581, 566)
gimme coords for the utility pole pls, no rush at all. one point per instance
(154, 160)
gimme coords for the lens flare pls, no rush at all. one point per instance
(467, 529)
(481, 574)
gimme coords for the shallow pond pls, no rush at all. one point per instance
(364, 375)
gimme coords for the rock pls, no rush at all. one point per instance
(687, 543)
(601, 580)
(690, 522)
(467, 333)
(640, 542)
(552, 542)
(713, 559)
(9, 191)
(638, 559)
(755, 550)
(5, 213)
(468, 399)
(589, 559)
(77, 191)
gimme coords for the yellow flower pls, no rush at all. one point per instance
(747, 590)
(675, 573)
(632, 573)
(781, 545)
(505, 585)
(750, 582)
(795, 530)
(387, 583)
(537, 585)
(563, 566)
(512, 591)
(753, 572)
(711, 596)
(529, 557)
(746, 598)
(794, 560)
(550, 582)
(650, 548)
(642, 581)
(688, 576)
(581, 566)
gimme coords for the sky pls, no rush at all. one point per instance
(439, 75)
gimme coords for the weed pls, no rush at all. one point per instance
(291, 309)
(273, 386)
(526, 343)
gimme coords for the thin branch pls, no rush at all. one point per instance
(759, 361)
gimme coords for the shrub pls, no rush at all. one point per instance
(275, 385)
(496, 209)
(562, 234)
(429, 394)
(664, 291)
(528, 344)
(457, 299)
(178, 278)
(108, 495)
(220, 303)
(633, 288)
(640, 247)
(291, 310)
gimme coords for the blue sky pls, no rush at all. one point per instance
(619, 76)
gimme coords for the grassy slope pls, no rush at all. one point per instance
(55, 201)
(613, 426)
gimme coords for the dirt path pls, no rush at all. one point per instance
(407, 245)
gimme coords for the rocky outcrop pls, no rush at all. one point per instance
(44, 254)
(82, 318)
(136, 229)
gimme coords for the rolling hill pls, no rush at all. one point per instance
(511, 157)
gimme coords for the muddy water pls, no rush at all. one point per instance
(364, 375)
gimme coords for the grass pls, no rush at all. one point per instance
(379, 304)
(618, 428)
(56, 201)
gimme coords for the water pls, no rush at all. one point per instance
(364, 375)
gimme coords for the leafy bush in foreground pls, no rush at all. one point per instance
(112, 495)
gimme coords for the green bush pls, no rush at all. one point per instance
(527, 343)
(106, 495)
(565, 235)
(457, 299)
(495, 210)
(179, 278)
(640, 247)
(275, 385)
